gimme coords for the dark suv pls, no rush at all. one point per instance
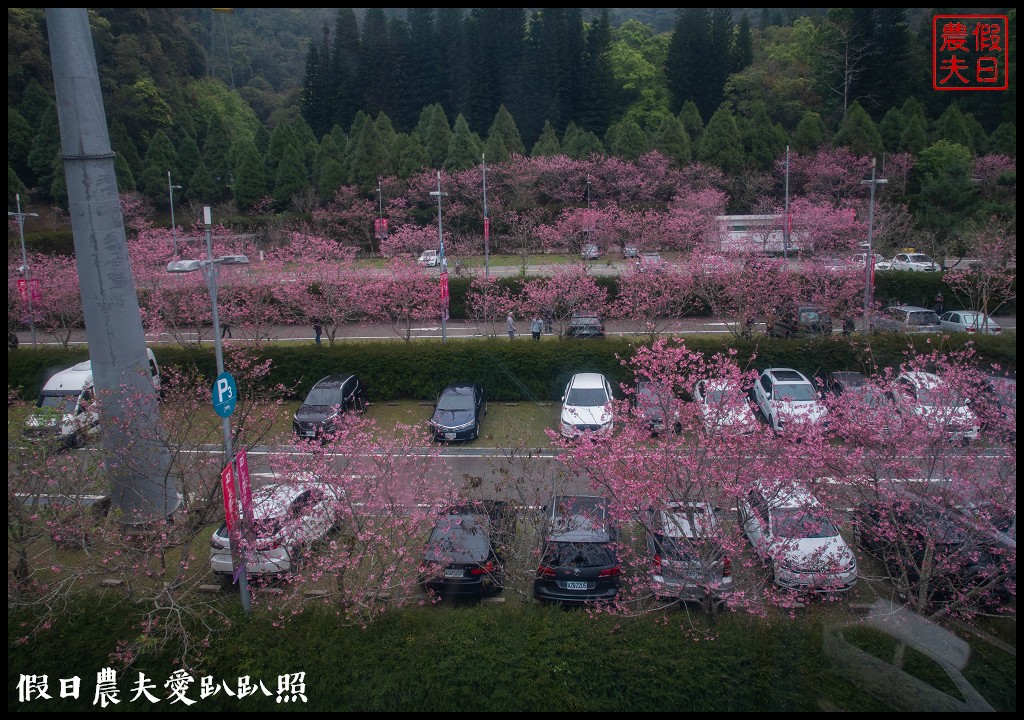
(802, 320)
(330, 397)
(585, 325)
(579, 561)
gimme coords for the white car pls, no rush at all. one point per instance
(915, 262)
(287, 519)
(929, 396)
(724, 407)
(786, 396)
(650, 261)
(586, 406)
(880, 262)
(790, 528)
(970, 322)
(590, 251)
(429, 258)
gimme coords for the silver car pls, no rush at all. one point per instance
(687, 559)
(969, 321)
(905, 319)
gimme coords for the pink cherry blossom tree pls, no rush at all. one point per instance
(401, 294)
(566, 291)
(991, 280)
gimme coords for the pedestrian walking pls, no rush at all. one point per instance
(12, 340)
(536, 327)
(319, 331)
(511, 327)
(940, 303)
(225, 331)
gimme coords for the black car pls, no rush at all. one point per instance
(838, 382)
(459, 411)
(654, 401)
(801, 320)
(329, 398)
(579, 560)
(585, 325)
(464, 557)
(956, 552)
(997, 399)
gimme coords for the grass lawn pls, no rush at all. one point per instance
(481, 658)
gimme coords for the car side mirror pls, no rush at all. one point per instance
(563, 398)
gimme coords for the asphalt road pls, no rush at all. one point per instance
(454, 329)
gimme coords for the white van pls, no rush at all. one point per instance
(429, 258)
(66, 408)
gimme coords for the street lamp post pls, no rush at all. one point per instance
(869, 259)
(487, 223)
(444, 263)
(589, 211)
(174, 229)
(20, 216)
(209, 268)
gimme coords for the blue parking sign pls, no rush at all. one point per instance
(225, 394)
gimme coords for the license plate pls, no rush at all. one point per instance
(453, 573)
(576, 585)
(309, 433)
(449, 436)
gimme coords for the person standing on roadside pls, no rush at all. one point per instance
(225, 331)
(319, 331)
(940, 303)
(511, 327)
(536, 327)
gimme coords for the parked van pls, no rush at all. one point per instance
(66, 408)
(429, 258)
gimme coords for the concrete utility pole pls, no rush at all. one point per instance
(869, 259)
(25, 269)
(135, 458)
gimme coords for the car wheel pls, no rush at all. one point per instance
(224, 581)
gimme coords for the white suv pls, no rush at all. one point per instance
(929, 396)
(586, 406)
(785, 395)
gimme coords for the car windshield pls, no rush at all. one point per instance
(458, 538)
(797, 523)
(812, 316)
(923, 318)
(919, 257)
(692, 523)
(455, 401)
(585, 320)
(799, 392)
(323, 397)
(937, 397)
(65, 403)
(578, 554)
(587, 397)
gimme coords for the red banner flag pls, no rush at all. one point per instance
(444, 285)
(487, 229)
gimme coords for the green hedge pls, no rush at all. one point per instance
(50, 242)
(520, 370)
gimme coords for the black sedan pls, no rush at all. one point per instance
(464, 557)
(330, 397)
(459, 412)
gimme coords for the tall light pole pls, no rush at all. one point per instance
(444, 263)
(174, 228)
(785, 218)
(209, 268)
(487, 223)
(20, 216)
(869, 259)
(589, 211)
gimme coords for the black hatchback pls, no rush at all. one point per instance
(585, 325)
(465, 555)
(801, 320)
(329, 398)
(579, 560)
(458, 413)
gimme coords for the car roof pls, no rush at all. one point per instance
(460, 389)
(578, 518)
(587, 380)
(908, 308)
(925, 380)
(786, 494)
(848, 377)
(786, 375)
(673, 528)
(332, 381)
(271, 501)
